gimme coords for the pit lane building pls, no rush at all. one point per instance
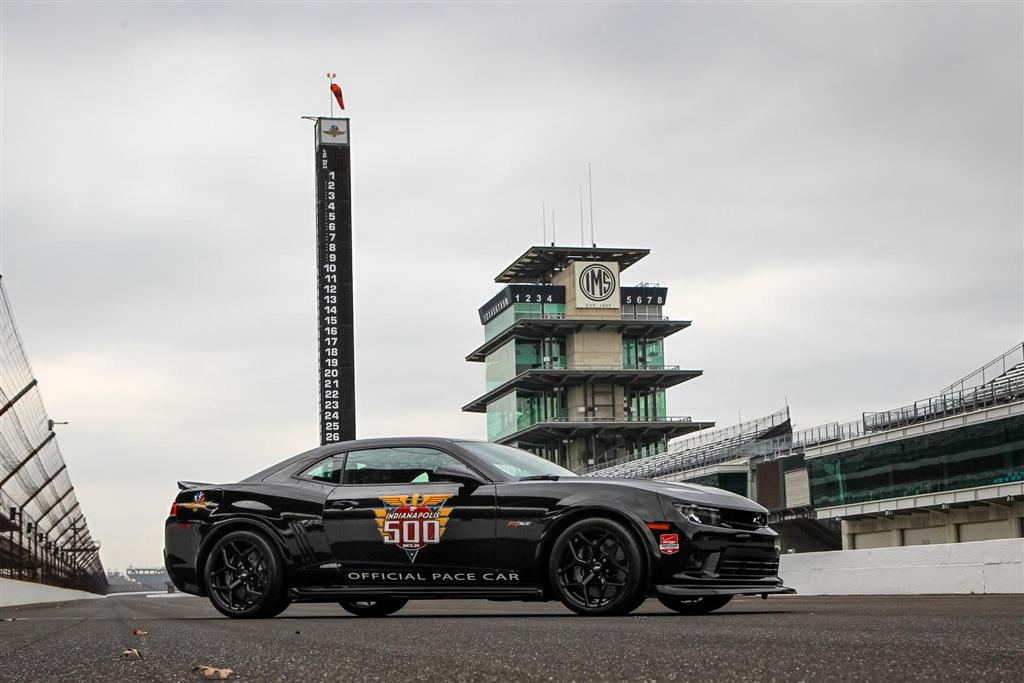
(575, 362)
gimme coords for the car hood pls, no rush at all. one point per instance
(684, 492)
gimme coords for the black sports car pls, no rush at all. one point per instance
(372, 524)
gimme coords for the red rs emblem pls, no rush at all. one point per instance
(669, 544)
(412, 522)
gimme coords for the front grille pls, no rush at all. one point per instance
(741, 519)
(739, 565)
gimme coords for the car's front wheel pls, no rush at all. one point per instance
(381, 607)
(695, 605)
(596, 568)
(244, 576)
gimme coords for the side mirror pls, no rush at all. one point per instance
(456, 476)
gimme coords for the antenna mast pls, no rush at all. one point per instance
(583, 240)
(590, 183)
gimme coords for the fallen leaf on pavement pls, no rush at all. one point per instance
(208, 671)
(139, 632)
(132, 653)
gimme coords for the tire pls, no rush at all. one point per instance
(597, 568)
(244, 576)
(703, 605)
(381, 607)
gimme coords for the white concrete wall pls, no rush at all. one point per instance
(14, 592)
(979, 567)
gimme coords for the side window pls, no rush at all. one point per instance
(398, 465)
(328, 470)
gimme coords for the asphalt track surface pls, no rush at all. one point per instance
(786, 638)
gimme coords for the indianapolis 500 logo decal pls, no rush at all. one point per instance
(412, 522)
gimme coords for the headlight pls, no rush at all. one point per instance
(699, 515)
(761, 518)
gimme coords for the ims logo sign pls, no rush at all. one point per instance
(597, 286)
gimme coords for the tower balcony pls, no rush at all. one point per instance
(548, 378)
(637, 428)
(559, 324)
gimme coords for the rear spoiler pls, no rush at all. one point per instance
(182, 485)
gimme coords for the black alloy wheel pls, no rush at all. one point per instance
(379, 607)
(244, 577)
(694, 605)
(597, 568)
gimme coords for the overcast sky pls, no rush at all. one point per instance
(832, 193)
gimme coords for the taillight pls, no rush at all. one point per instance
(174, 509)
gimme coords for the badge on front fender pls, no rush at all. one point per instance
(669, 544)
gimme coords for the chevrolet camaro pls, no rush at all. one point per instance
(372, 524)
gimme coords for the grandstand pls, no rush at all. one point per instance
(944, 469)
(703, 449)
(44, 537)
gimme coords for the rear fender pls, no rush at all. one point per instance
(252, 523)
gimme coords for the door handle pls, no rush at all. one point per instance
(342, 504)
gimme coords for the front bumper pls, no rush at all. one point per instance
(704, 591)
(717, 560)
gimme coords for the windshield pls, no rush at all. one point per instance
(514, 462)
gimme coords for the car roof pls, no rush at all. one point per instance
(342, 446)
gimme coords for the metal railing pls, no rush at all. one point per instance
(703, 437)
(600, 368)
(620, 316)
(620, 418)
(702, 449)
(1007, 387)
(990, 371)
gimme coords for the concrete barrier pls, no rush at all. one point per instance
(979, 567)
(14, 592)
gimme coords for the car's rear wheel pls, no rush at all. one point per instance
(694, 605)
(380, 607)
(244, 576)
(596, 568)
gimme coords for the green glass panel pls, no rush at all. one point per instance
(501, 416)
(736, 482)
(629, 354)
(554, 309)
(521, 409)
(643, 353)
(978, 455)
(517, 312)
(500, 365)
(647, 405)
(499, 323)
(655, 353)
(659, 403)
